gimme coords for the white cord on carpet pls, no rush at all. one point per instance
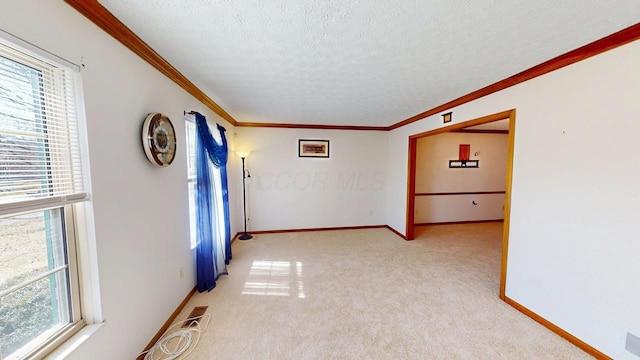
(178, 344)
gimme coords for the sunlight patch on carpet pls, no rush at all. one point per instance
(275, 278)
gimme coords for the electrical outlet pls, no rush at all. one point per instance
(632, 344)
(181, 272)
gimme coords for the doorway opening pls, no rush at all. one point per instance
(509, 115)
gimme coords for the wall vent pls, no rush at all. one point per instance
(194, 316)
(633, 344)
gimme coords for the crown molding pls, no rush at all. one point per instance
(612, 41)
(313, 126)
(104, 19)
(100, 16)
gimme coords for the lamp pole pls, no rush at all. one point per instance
(245, 236)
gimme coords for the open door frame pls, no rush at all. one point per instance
(411, 180)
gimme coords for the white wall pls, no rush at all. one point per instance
(288, 192)
(432, 163)
(573, 245)
(141, 212)
(433, 175)
(437, 209)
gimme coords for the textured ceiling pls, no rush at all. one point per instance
(360, 62)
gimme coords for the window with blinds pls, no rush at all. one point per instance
(39, 148)
(42, 182)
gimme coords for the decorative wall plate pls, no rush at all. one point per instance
(159, 139)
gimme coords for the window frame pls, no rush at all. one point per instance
(76, 219)
(190, 150)
(216, 182)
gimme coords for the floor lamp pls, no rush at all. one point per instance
(246, 235)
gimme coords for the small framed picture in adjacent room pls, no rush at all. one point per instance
(313, 148)
(446, 118)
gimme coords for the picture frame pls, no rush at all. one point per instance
(447, 117)
(308, 148)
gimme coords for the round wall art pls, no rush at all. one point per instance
(159, 139)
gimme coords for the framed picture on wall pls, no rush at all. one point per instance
(446, 118)
(313, 148)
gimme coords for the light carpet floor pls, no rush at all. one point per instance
(367, 294)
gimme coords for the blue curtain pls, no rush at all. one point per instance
(208, 252)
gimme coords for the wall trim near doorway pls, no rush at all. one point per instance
(460, 222)
(460, 193)
(557, 330)
(259, 232)
(333, 228)
(396, 232)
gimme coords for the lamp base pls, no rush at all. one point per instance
(245, 236)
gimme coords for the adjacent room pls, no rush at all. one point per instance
(450, 184)
(319, 180)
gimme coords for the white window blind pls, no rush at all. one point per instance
(40, 163)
